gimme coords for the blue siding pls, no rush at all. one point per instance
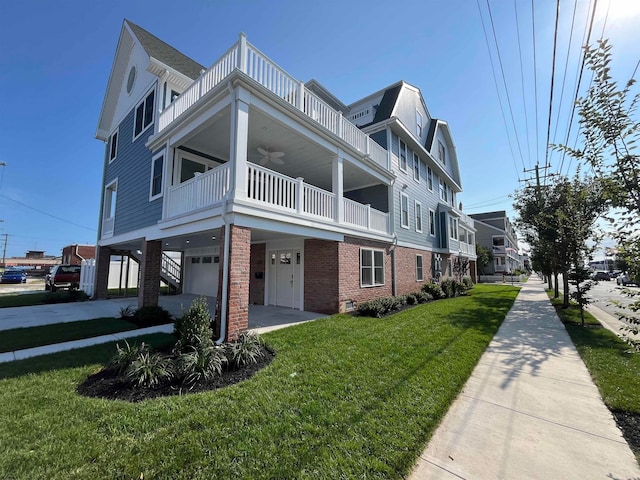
(376, 196)
(380, 138)
(132, 168)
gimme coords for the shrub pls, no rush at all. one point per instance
(434, 290)
(379, 307)
(423, 297)
(412, 299)
(125, 356)
(149, 369)
(150, 316)
(468, 282)
(448, 288)
(127, 313)
(193, 329)
(200, 365)
(65, 296)
(247, 350)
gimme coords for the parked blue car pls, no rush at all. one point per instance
(13, 275)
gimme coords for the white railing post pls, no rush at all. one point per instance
(366, 145)
(299, 195)
(301, 96)
(339, 126)
(368, 205)
(242, 57)
(196, 189)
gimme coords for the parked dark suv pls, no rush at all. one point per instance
(63, 276)
(600, 275)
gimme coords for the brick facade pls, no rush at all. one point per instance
(74, 254)
(257, 274)
(349, 272)
(102, 273)
(321, 276)
(239, 262)
(150, 267)
(406, 281)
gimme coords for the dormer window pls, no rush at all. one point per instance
(144, 114)
(418, 124)
(442, 153)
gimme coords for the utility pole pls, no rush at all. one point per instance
(4, 250)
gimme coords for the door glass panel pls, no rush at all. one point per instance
(285, 258)
(190, 168)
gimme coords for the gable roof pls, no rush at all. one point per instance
(387, 104)
(165, 53)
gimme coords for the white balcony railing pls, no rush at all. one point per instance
(268, 188)
(203, 190)
(249, 60)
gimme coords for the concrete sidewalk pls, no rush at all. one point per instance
(529, 410)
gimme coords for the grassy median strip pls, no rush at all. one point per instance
(20, 338)
(615, 372)
(345, 397)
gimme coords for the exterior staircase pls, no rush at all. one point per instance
(170, 270)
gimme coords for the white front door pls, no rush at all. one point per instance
(284, 285)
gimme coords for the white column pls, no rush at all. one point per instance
(239, 143)
(337, 187)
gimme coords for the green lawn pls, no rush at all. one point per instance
(23, 300)
(19, 338)
(345, 397)
(615, 372)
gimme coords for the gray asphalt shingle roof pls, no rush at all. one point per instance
(165, 53)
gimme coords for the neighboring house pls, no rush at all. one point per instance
(272, 190)
(495, 233)
(75, 254)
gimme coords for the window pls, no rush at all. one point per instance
(404, 210)
(419, 274)
(418, 216)
(442, 153)
(371, 267)
(144, 114)
(453, 228)
(418, 124)
(157, 164)
(113, 146)
(430, 179)
(498, 241)
(416, 167)
(432, 223)
(206, 259)
(110, 194)
(443, 190)
(403, 156)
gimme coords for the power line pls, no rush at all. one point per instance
(535, 79)
(524, 102)
(504, 81)
(46, 213)
(581, 71)
(495, 82)
(553, 74)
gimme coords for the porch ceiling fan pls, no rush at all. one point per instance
(269, 156)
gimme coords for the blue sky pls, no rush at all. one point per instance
(55, 59)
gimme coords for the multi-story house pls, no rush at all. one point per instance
(496, 234)
(273, 190)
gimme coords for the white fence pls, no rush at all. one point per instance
(87, 276)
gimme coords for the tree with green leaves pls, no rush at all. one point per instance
(485, 257)
(610, 130)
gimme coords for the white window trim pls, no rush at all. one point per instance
(153, 119)
(416, 205)
(435, 222)
(373, 267)
(416, 162)
(453, 223)
(429, 185)
(107, 200)
(402, 197)
(117, 133)
(442, 153)
(421, 277)
(400, 150)
(153, 161)
(419, 123)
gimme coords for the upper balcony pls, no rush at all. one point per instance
(246, 58)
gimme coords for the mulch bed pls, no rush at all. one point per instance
(629, 423)
(106, 383)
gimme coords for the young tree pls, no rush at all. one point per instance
(485, 257)
(610, 130)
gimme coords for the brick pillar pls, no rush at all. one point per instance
(102, 273)
(150, 273)
(238, 286)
